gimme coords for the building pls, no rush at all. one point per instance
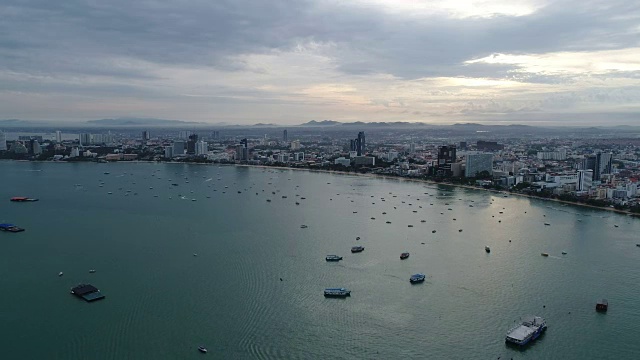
(202, 148)
(559, 155)
(489, 145)
(299, 156)
(362, 145)
(392, 155)
(178, 148)
(365, 160)
(34, 147)
(58, 136)
(477, 163)
(215, 134)
(295, 145)
(3, 141)
(283, 157)
(285, 135)
(342, 161)
(168, 152)
(85, 139)
(75, 152)
(446, 154)
(585, 179)
(462, 145)
(412, 148)
(145, 136)
(191, 144)
(604, 164)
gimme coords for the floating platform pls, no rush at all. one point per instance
(88, 292)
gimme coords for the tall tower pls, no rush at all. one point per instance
(285, 136)
(361, 144)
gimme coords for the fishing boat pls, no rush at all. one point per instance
(404, 255)
(528, 330)
(337, 292)
(333, 258)
(417, 278)
(357, 249)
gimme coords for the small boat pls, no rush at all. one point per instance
(357, 249)
(423, 221)
(284, 196)
(337, 292)
(10, 228)
(384, 213)
(357, 237)
(202, 349)
(268, 200)
(528, 330)
(22, 199)
(615, 225)
(544, 254)
(409, 225)
(638, 245)
(106, 173)
(303, 226)
(547, 224)
(564, 253)
(602, 305)
(372, 218)
(433, 231)
(333, 258)
(92, 271)
(417, 278)
(404, 255)
(459, 230)
(297, 203)
(388, 222)
(60, 273)
(487, 249)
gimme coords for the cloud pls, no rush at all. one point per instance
(284, 60)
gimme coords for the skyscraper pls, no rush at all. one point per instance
(178, 148)
(202, 148)
(145, 135)
(191, 144)
(477, 163)
(585, 178)
(58, 136)
(85, 139)
(285, 136)
(361, 144)
(446, 154)
(604, 164)
(3, 142)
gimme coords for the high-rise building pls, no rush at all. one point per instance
(242, 150)
(285, 135)
(412, 148)
(191, 144)
(58, 136)
(202, 148)
(34, 147)
(145, 136)
(477, 163)
(215, 134)
(446, 154)
(361, 144)
(462, 145)
(585, 179)
(3, 141)
(178, 148)
(295, 145)
(489, 145)
(85, 139)
(168, 152)
(604, 164)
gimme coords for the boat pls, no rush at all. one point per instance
(404, 255)
(333, 258)
(268, 200)
(202, 349)
(92, 271)
(564, 253)
(459, 230)
(303, 226)
(357, 249)
(547, 224)
(409, 225)
(60, 273)
(337, 292)
(638, 245)
(297, 203)
(544, 254)
(22, 199)
(615, 225)
(423, 221)
(602, 305)
(528, 330)
(10, 228)
(433, 231)
(388, 222)
(417, 278)
(487, 249)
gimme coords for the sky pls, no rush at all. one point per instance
(551, 62)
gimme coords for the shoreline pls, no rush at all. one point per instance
(378, 176)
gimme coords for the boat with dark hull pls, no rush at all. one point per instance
(337, 292)
(333, 258)
(10, 228)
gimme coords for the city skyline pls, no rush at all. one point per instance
(245, 62)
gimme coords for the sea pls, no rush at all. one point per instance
(196, 255)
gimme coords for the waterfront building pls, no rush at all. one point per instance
(3, 141)
(202, 148)
(191, 144)
(58, 136)
(283, 157)
(295, 145)
(342, 161)
(85, 139)
(477, 163)
(365, 160)
(178, 148)
(585, 179)
(168, 152)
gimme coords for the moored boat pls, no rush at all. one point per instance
(404, 255)
(333, 258)
(487, 249)
(528, 330)
(337, 292)
(357, 249)
(417, 278)
(10, 228)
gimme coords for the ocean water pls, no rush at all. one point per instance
(254, 290)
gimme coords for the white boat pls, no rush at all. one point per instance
(337, 292)
(60, 273)
(202, 349)
(528, 330)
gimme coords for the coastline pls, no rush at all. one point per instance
(378, 176)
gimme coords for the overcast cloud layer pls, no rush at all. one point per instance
(247, 61)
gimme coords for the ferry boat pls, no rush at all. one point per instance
(417, 278)
(10, 228)
(22, 199)
(528, 330)
(357, 249)
(333, 258)
(404, 255)
(337, 292)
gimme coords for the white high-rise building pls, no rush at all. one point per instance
(585, 179)
(85, 139)
(202, 148)
(168, 152)
(3, 142)
(295, 145)
(58, 136)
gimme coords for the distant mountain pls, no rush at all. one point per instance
(140, 122)
(264, 125)
(321, 123)
(11, 122)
